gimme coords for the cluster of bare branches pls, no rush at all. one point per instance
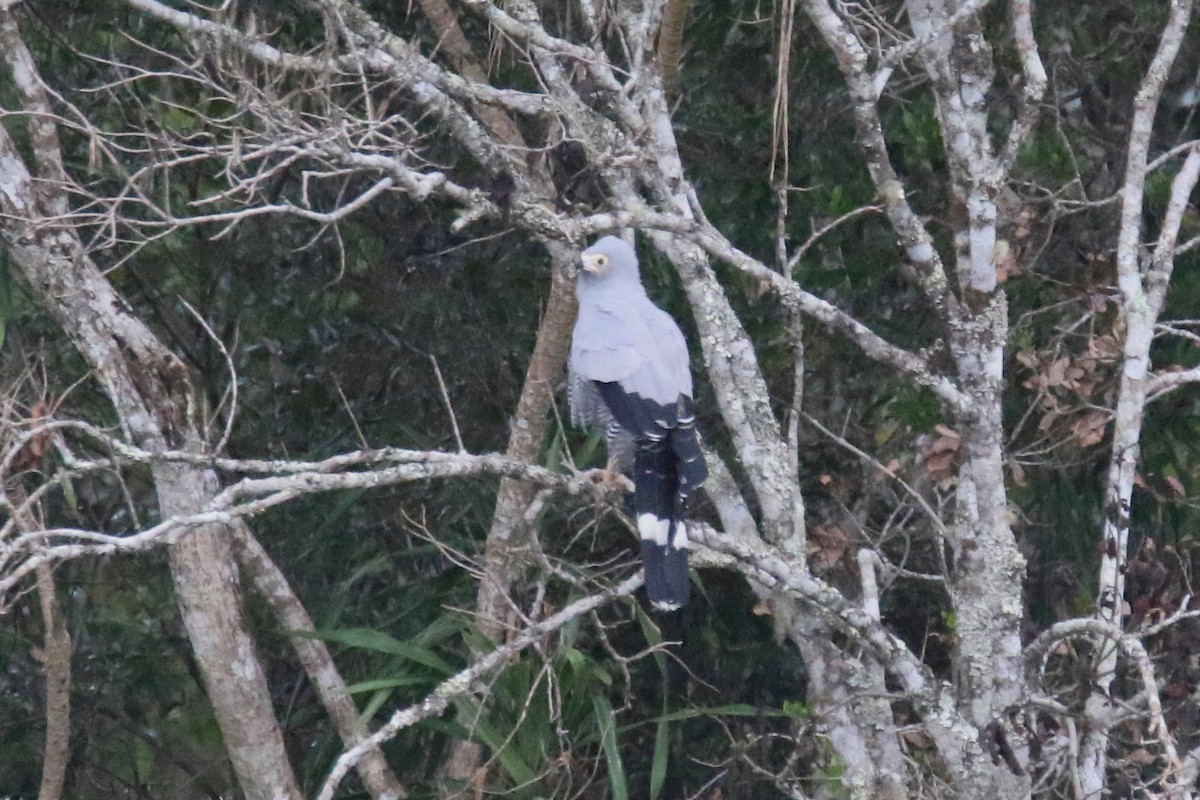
(318, 129)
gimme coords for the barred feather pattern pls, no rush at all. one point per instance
(590, 413)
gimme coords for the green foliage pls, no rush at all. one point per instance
(1046, 154)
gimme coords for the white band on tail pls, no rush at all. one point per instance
(653, 529)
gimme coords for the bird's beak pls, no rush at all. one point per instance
(589, 262)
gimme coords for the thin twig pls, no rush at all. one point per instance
(449, 408)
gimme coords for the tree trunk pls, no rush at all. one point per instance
(150, 389)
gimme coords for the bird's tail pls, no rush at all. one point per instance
(666, 474)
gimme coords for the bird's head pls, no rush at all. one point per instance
(608, 259)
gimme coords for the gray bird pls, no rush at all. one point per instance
(628, 376)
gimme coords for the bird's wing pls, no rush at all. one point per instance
(609, 341)
(664, 373)
(635, 344)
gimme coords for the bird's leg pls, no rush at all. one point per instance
(612, 473)
(610, 477)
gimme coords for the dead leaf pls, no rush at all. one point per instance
(31, 454)
(826, 545)
(947, 432)
(1141, 756)
(1057, 372)
(1089, 429)
(939, 462)
(886, 431)
(1018, 473)
(1176, 485)
(1006, 261)
(1105, 348)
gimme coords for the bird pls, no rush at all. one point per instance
(628, 376)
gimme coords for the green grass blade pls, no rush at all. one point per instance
(606, 719)
(662, 754)
(367, 639)
(377, 684)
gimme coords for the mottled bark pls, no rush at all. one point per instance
(851, 709)
(670, 39)
(56, 661)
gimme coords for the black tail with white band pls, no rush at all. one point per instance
(668, 466)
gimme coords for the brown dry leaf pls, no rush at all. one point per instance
(825, 480)
(1176, 485)
(1023, 226)
(1028, 359)
(761, 609)
(1018, 473)
(1048, 419)
(939, 462)
(1141, 756)
(1061, 649)
(1089, 429)
(826, 546)
(1057, 372)
(943, 444)
(1105, 348)
(939, 455)
(947, 432)
(31, 454)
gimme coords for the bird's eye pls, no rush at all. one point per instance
(602, 261)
